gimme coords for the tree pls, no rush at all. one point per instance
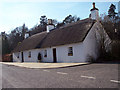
(24, 30)
(43, 20)
(111, 12)
(70, 19)
(17, 35)
(115, 20)
(60, 24)
(111, 24)
(5, 45)
(54, 21)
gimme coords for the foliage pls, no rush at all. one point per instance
(60, 24)
(116, 49)
(90, 59)
(17, 35)
(111, 24)
(43, 20)
(111, 11)
(69, 19)
(54, 21)
(5, 44)
(114, 54)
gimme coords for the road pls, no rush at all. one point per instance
(86, 76)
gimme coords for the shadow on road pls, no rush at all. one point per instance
(108, 61)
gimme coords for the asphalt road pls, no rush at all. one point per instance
(86, 76)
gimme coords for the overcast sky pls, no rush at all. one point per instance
(14, 14)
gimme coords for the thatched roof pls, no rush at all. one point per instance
(31, 42)
(72, 33)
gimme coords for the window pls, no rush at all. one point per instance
(70, 51)
(45, 53)
(29, 54)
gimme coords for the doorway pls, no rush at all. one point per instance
(22, 56)
(54, 55)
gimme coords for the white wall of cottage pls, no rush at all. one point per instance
(81, 51)
(61, 54)
(33, 57)
(15, 57)
(91, 43)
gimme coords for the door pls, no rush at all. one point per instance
(22, 56)
(54, 55)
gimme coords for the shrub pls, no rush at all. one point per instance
(90, 59)
(116, 49)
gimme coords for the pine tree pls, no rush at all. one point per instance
(111, 11)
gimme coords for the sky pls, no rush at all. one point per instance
(15, 13)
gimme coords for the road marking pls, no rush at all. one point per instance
(88, 77)
(61, 73)
(115, 81)
(46, 70)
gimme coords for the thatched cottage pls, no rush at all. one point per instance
(75, 42)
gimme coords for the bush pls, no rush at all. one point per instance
(116, 49)
(90, 59)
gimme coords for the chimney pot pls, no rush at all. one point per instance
(49, 21)
(93, 4)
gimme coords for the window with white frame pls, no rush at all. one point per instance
(70, 51)
(45, 53)
(29, 54)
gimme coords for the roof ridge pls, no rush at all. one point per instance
(89, 30)
(38, 34)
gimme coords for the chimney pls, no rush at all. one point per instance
(94, 12)
(50, 25)
(26, 35)
(49, 21)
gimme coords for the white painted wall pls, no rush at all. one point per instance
(95, 14)
(49, 57)
(33, 58)
(61, 53)
(15, 57)
(90, 44)
(93, 41)
(26, 35)
(50, 27)
(78, 53)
